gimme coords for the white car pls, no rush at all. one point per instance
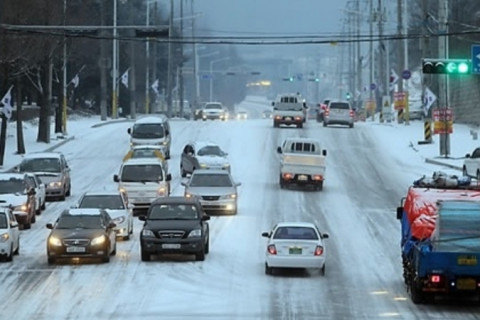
(295, 245)
(471, 164)
(116, 205)
(40, 192)
(202, 155)
(9, 234)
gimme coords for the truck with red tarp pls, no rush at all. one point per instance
(440, 242)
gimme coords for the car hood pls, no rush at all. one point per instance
(186, 225)
(212, 160)
(116, 213)
(13, 199)
(48, 177)
(211, 191)
(77, 233)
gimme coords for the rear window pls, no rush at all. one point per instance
(303, 147)
(304, 233)
(339, 105)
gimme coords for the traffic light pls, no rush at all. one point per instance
(314, 79)
(288, 79)
(347, 95)
(446, 66)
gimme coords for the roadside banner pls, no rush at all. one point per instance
(428, 100)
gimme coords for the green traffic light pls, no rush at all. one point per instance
(463, 67)
(457, 67)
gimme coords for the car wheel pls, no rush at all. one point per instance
(43, 205)
(268, 270)
(114, 252)
(62, 197)
(10, 256)
(322, 270)
(34, 218)
(106, 259)
(282, 184)
(17, 251)
(200, 256)
(478, 175)
(69, 191)
(126, 238)
(207, 246)
(145, 256)
(325, 123)
(320, 186)
(131, 228)
(27, 225)
(39, 210)
(351, 125)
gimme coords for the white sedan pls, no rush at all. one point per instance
(471, 164)
(295, 245)
(9, 234)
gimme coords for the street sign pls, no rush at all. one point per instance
(406, 74)
(475, 59)
(373, 86)
(443, 120)
(399, 100)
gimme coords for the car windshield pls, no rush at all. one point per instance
(145, 153)
(12, 186)
(113, 202)
(339, 105)
(211, 180)
(134, 173)
(40, 165)
(301, 233)
(213, 106)
(173, 212)
(210, 151)
(80, 222)
(3, 220)
(148, 131)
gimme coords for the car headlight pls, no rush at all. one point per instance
(229, 196)
(119, 220)
(189, 195)
(203, 165)
(23, 207)
(98, 240)
(162, 191)
(54, 241)
(122, 190)
(4, 237)
(226, 165)
(195, 233)
(55, 184)
(147, 233)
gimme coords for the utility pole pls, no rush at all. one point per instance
(103, 66)
(64, 92)
(180, 69)
(195, 62)
(372, 59)
(115, 65)
(383, 53)
(426, 53)
(443, 79)
(169, 64)
(358, 98)
(131, 79)
(400, 52)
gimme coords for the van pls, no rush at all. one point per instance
(153, 130)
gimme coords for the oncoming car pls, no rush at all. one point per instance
(202, 155)
(242, 115)
(295, 245)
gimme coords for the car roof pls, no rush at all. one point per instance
(42, 155)
(176, 200)
(296, 224)
(8, 176)
(210, 171)
(152, 119)
(141, 161)
(102, 193)
(201, 144)
(84, 211)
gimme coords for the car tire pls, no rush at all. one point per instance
(351, 125)
(478, 175)
(34, 218)
(268, 270)
(322, 270)
(17, 252)
(69, 191)
(282, 184)
(145, 256)
(200, 256)
(464, 171)
(106, 259)
(207, 246)
(10, 256)
(114, 252)
(27, 225)
(43, 204)
(320, 186)
(38, 211)
(62, 197)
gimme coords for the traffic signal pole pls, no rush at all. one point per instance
(443, 80)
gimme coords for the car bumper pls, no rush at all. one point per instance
(187, 246)
(54, 192)
(5, 248)
(121, 230)
(227, 206)
(88, 252)
(337, 121)
(295, 261)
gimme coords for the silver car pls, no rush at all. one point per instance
(216, 190)
(338, 112)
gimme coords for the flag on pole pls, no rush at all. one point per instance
(7, 103)
(393, 79)
(75, 81)
(155, 86)
(125, 78)
(428, 100)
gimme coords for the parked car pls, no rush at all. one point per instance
(82, 233)
(202, 155)
(175, 225)
(52, 168)
(116, 205)
(471, 164)
(295, 245)
(216, 190)
(339, 112)
(9, 234)
(17, 192)
(40, 191)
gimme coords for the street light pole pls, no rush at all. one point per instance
(114, 59)
(64, 100)
(211, 74)
(147, 72)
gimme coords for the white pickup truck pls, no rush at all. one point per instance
(289, 109)
(302, 162)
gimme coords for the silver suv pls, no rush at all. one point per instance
(338, 112)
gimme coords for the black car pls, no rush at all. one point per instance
(175, 225)
(82, 233)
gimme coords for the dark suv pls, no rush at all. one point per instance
(175, 225)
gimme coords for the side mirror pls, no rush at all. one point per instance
(324, 152)
(31, 192)
(467, 155)
(49, 226)
(279, 150)
(238, 184)
(169, 177)
(399, 213)
(266, 234)
(112, 225)
(325, 235)
(167, 157)
(115, 178)
(129, 130)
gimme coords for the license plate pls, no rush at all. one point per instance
(171, 246)
(466, 284)
(467, 260)
(75, 249)
(295, 250)
(302, 177)
(288, 118)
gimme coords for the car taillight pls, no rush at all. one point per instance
(351, 113)
(298, 118)
(327, 111)
(318, 251)
(435, 278)
(288, 176)
(271, 249)
(317, 177)
(278, 117)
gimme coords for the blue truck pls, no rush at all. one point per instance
(440, 242)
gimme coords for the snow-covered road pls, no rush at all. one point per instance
(357, 208)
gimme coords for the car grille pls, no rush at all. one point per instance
(171, 234)
(76, 242)
(211, 198)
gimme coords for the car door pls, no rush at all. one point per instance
(65, 172)
(109, 231)
(473, 163)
